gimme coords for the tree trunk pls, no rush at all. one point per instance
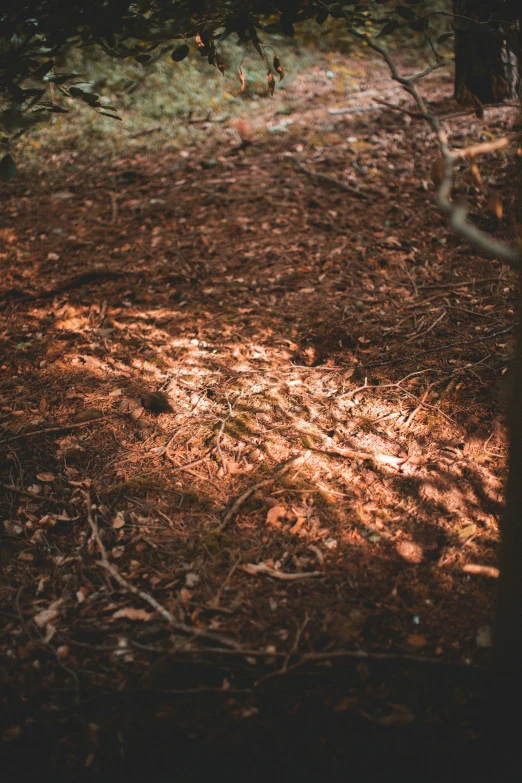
(481, 70)
(507, 683)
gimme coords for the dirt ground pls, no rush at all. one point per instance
(294, 567)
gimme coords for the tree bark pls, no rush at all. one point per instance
(481, 71)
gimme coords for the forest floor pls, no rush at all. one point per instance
(294, 568)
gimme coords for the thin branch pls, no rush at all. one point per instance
(62, 428)
(326, 178)
(236, 505)
(456, 213)
(105, 563)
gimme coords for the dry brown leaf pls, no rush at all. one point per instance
(119, 520)
(495, 205)
(437, 171)
(45, 476)
(90, 414)
(417, 640)
(271, 82)
(274, 515)
(130, 613)
(233, 467)
(279, 68)
(296, 527)
(185, 597)
(46, 616)
(242, 79)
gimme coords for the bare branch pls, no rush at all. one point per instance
(457, 213)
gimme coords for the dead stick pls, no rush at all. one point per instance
(189, 465)
(62, 428)
(23, 493)
(159, 608)
(481, 570)
(326, 178)
(234, 508)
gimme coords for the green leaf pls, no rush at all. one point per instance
(405, 12)
(143, 58)
(388, 28)
(273, 29)
(180, 53)
(419, 25)
(7, 168)
(112, 116)
(322, 16)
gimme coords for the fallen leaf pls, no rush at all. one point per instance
(90, 414)
(119, 520)
(468, 531)
(410, 551)
(45, 476)
(130, 613)
(274, 515)
(417, 640)
(46, 616)
(185, 597)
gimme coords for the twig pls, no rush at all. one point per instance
(438, 348)
(149, 599)
(326, 178)
(22, 492)
(63, 428)
(220, 435)
(482, 570)
(459, 284)
(215, 601)
(30, 496)
(114, 206)
(144, 132)
(236, 505)
(401, 109)
(262, 568)
(353, 110)
(417, 409)
(433, 325)
(178, 468)
(455, 212)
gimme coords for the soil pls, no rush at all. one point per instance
(292, 571)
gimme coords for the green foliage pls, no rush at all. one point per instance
(37, 38)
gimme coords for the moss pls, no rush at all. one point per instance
(214, 542)
(307, 440)
(241, 425)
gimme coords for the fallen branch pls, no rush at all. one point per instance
(481, 570)
(68, 285)
(234, 508)
(401, 109)
(62, 428)
(262, 568)
(178, 468)
(24, 494)
(105, 563)
(326, 178)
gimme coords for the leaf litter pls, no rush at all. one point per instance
(286, 382)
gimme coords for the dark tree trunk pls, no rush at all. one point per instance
(481, 70)
(507, 690)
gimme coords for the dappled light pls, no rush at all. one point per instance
(253, 415)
